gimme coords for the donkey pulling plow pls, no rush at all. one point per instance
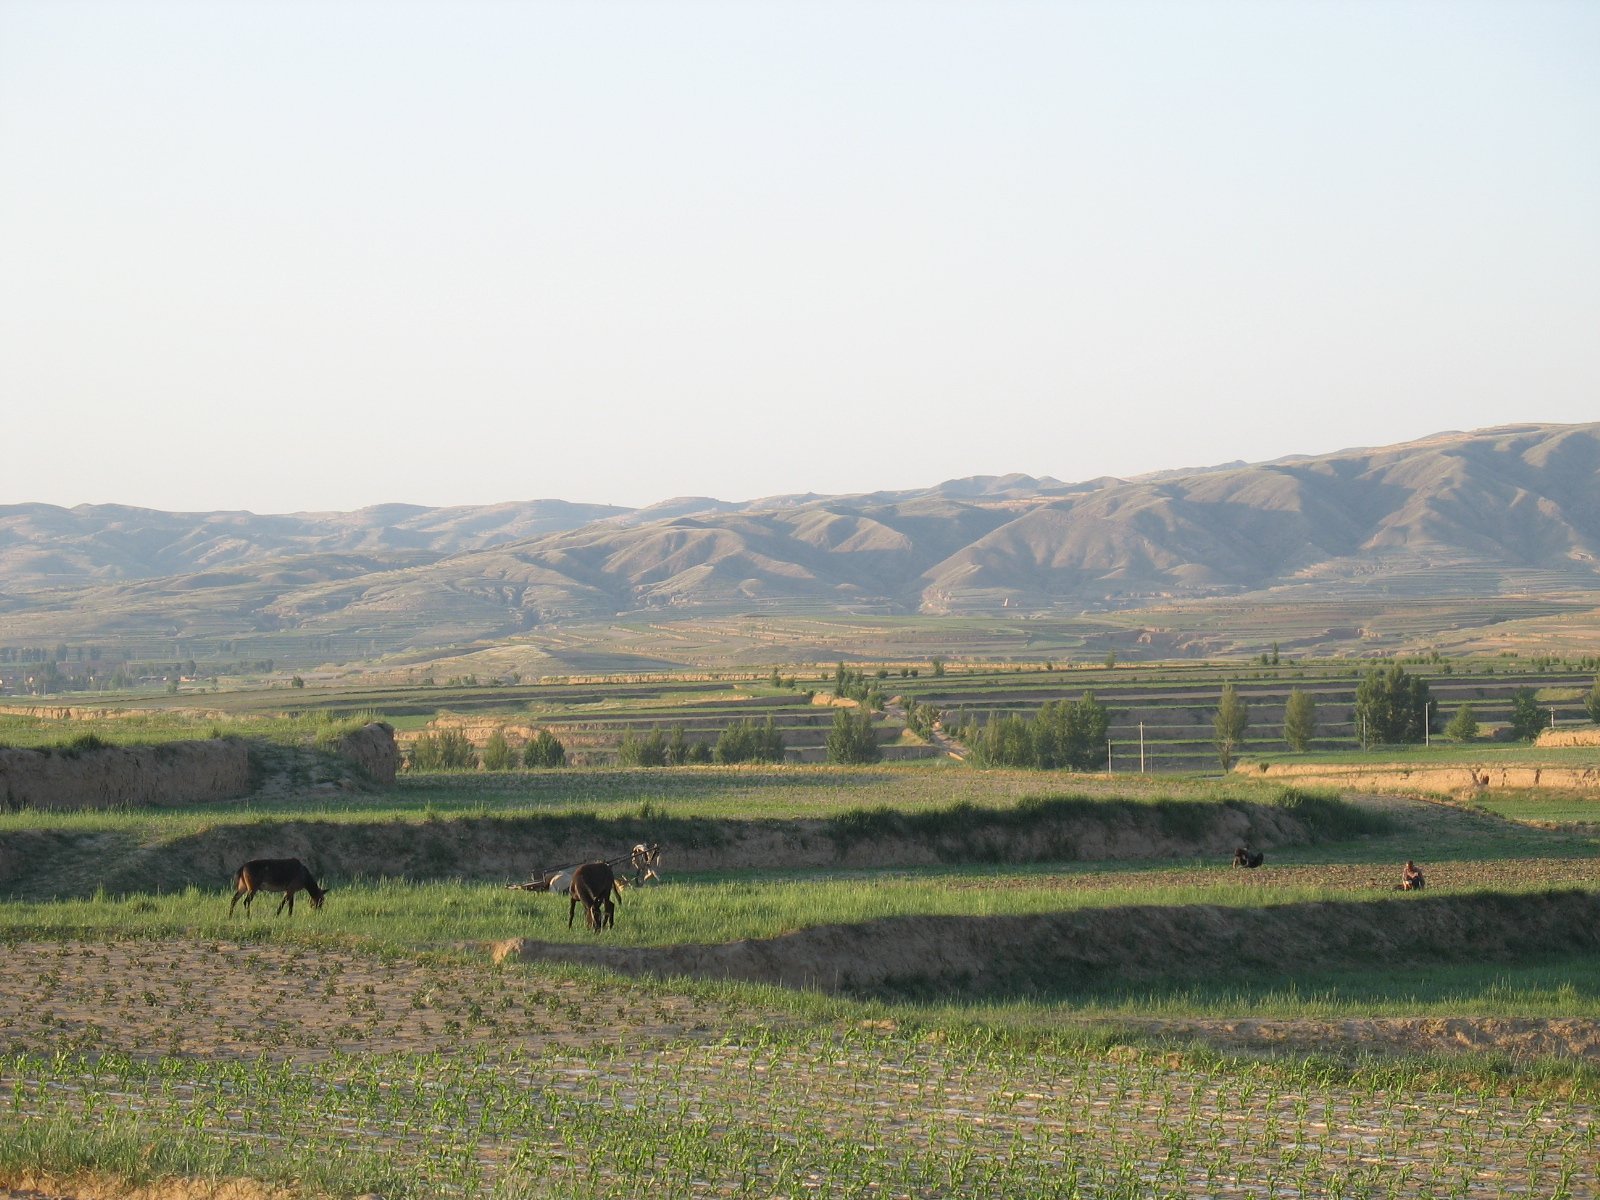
(645, 862)
(594, 883)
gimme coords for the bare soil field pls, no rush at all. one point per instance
(245, 1000)
(42, 1186)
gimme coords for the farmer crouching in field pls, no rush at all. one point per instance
(1411, 878)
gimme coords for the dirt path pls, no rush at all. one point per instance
(896, 711)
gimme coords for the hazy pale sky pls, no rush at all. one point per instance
(296, 255)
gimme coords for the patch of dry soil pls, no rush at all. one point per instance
(1517, 1037)
(31, 1186)
(228, 1000)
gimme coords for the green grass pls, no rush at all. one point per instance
(397, 915)
(1544, 809)
(1558, 988)
(71, 854)
(154, 728)
(745, 792)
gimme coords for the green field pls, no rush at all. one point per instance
(908, 979)
(1544, 809)
(1348, 1042)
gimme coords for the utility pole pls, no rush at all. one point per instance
(1109, 771)
(1141, 747)
(1427, 724)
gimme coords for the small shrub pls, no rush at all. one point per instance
(545, 750)
(82, 743)
(1329, 818)
(1463, 726)
(497, 753)
(449, 750)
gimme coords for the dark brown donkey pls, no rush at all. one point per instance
(593, 884)
(286, 875)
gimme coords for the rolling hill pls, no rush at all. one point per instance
(1510, 510)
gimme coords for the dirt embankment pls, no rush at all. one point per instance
(1119, 947)
(373, 749)
(190, 772)
(112, 776)
(62, 712)
(513, 847)
(1399, 777)
(1570, 737)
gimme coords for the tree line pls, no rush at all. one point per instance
(1063, 734)
(1392, 707)
(452, 750)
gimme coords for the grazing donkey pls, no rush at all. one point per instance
(593, 884)
(286, 875)
(1243, 858)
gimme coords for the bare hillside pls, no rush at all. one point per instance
(1511, 510)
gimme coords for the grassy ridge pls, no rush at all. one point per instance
(154, 728)
(399, 915)
(63, 855)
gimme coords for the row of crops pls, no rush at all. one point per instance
(776, 1116)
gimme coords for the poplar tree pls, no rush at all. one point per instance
(852, 740)
(1527, 718)
(497, 754)
(544, 751)
(1230, 723)
(1299, 720)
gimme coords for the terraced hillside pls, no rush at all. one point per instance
(1170, 708)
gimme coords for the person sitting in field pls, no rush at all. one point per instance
(1411, 878)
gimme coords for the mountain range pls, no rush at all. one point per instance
(1513, 509)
